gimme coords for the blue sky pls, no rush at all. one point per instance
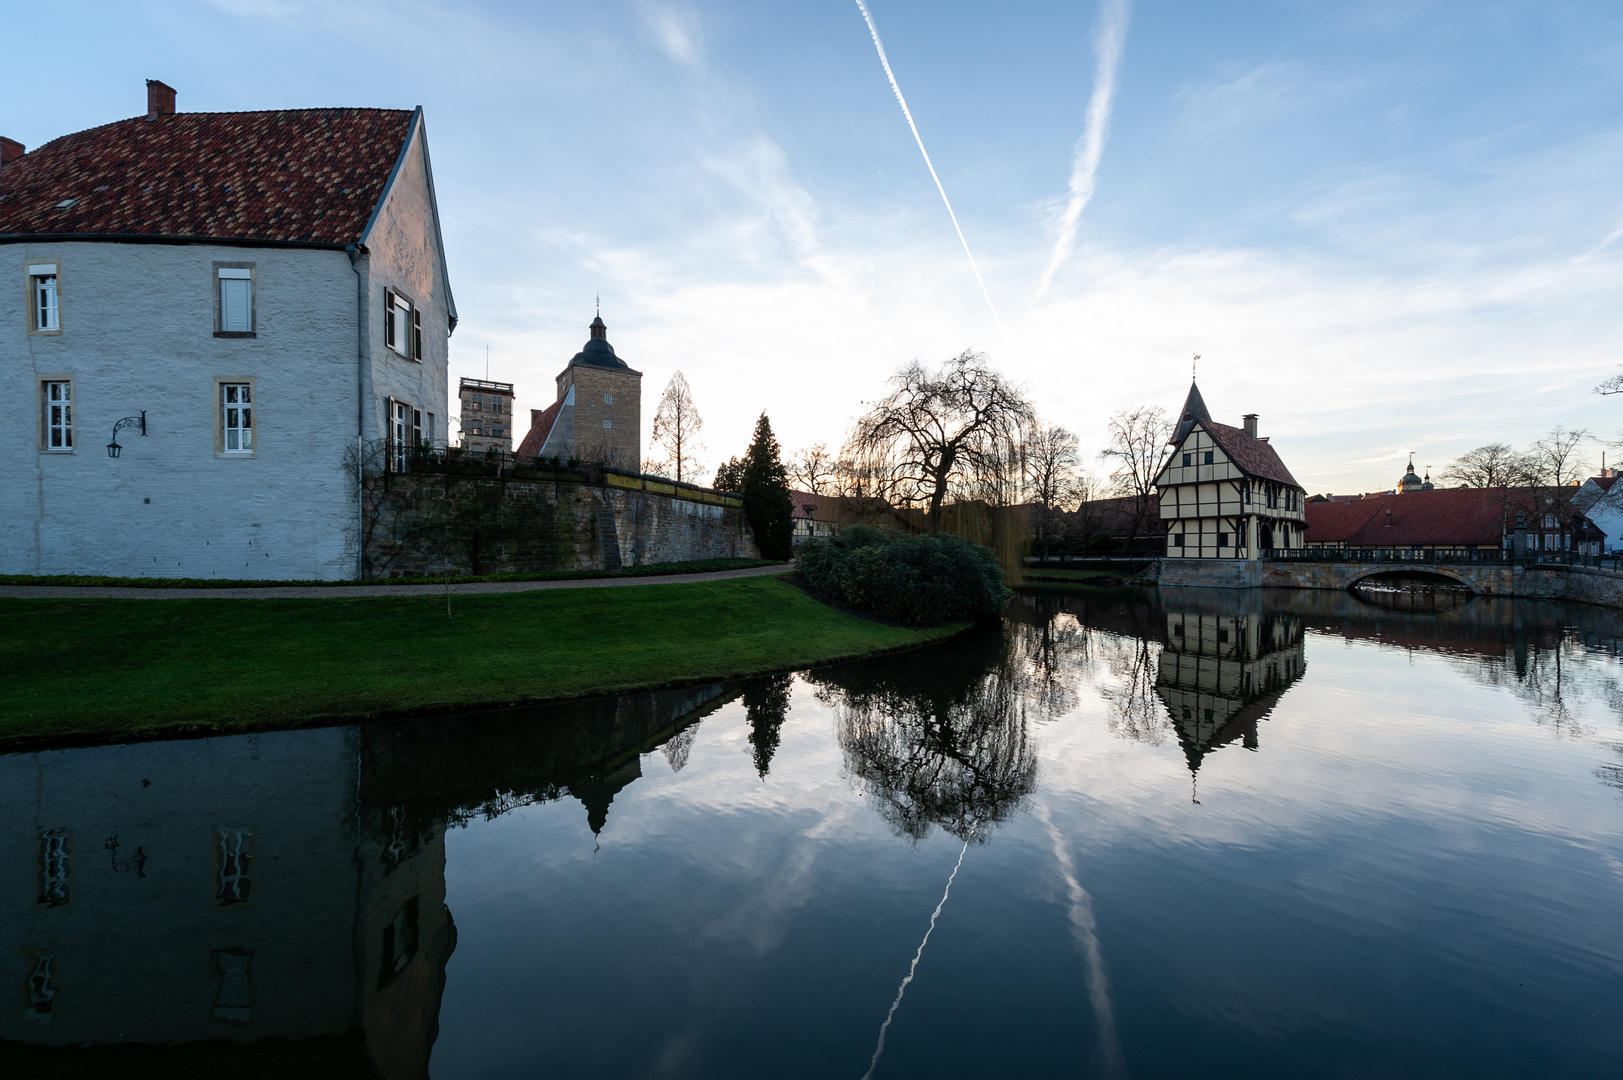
(1385, 225)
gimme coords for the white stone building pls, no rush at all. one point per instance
(266, 290)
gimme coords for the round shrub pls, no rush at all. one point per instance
(915, 580)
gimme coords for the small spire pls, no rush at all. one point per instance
(599, 329)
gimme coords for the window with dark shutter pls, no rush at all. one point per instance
(388, 318)
(416, 334)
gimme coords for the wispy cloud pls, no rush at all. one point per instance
(677, 33)
(1264, 91)
(885, 61)
(1108, 39)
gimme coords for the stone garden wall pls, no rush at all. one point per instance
(539, 520)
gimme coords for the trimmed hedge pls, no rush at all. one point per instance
(913, 580)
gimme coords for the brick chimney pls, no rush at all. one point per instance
(1250, 421)
(160, 99)
(10, 150)
(535, 416)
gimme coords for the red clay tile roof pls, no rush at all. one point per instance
(294, 176)
(1470, 516)
(822, 507)
(1253, 456)
(541, 421)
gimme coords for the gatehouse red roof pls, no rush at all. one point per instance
(1468, 516)
(290, 176)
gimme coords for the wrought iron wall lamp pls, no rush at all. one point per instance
(129, 421)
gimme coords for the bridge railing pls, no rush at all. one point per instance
(1499, 557)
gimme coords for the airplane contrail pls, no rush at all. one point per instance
(902, 989)
(1108, 40)
(885, 61)
(1086, 933)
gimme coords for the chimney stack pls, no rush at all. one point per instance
(160, 99)
(535, 416)
(1251, 424)
(10, 150)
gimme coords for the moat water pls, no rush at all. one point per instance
(1198, 834)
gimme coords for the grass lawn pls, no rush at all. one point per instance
(75, 670)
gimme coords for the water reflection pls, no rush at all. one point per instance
(276, 903)
(940, 741)
(287, 886)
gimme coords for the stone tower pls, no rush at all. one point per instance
(608, 403)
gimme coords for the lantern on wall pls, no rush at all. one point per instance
(128, 422)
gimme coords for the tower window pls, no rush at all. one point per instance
(608, 399)
(608, 423)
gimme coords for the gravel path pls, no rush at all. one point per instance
(336, 592)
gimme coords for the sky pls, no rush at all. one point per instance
(1384, 226)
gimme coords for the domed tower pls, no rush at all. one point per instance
(608, 402)
(1411, 480)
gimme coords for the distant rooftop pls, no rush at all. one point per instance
(486, 386)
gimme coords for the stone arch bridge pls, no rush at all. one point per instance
(1540, 581)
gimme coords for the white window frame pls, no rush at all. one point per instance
(399, 431)
(608, 399)
(608, 424)
(234, 278)
(56, 414)
(45, 298)
(236, 418)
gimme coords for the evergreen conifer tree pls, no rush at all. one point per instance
(766, 494)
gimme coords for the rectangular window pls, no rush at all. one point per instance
(608, 399)
(402, 325)
(1207, 458)
(1188, 460)
(237, 418)
(399, 432)
(416, 427)
(57, 404)
(55, 852)
(46, 315)
(236, 300)
(1177, 540)
(399, 942)
(1222, 540)
(608, 423)
(236, 863)
(496, 405)
(478, 403)
(428, 429)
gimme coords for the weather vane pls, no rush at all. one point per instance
(598, 300)
(1192, 364)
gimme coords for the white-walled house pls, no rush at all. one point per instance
(267, 288)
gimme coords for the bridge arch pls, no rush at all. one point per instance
(1439, 573)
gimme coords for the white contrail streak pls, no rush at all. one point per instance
(885, 61)
(1086, 933)
(1108, 40)
(902, 989)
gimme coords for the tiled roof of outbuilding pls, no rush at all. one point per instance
(1253, 456)
(1469, 516)
(294, 176)
(541, 424)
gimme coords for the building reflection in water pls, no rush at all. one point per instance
(1220, 673)
(273, 904)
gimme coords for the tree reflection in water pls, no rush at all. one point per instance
(939, 741)
(766, 706)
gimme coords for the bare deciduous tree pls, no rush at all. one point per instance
(1051, 461)
(814, 469)
(1137, 447)
(675, 432)
(1614, 385)
(945, 435)
(1492, 466)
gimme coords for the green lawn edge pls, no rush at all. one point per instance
(691, 566)
(114, 670)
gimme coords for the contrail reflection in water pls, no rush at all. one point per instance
(914, 966)
(1086, 932)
